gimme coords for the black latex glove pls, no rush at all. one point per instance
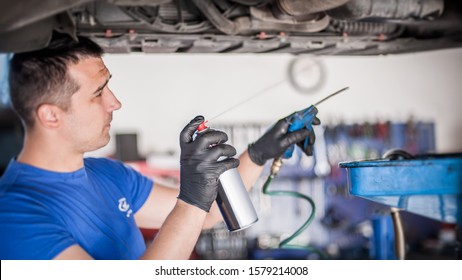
(276, 141)
(199, 165)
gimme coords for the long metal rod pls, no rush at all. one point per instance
(269, 88)
(331, 95)
(400, 241)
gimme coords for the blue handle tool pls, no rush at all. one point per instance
(299, 120)
(304, 118)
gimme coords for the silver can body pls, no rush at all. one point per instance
(234, 202)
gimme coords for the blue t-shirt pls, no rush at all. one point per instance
(44, 212)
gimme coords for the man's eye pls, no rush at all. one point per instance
(98, 94)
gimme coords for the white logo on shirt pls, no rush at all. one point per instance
(125, 207)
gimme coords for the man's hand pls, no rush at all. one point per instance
(276, 140)
(200, 168)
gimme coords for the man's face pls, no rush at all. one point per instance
(87, 122)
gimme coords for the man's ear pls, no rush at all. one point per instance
(48, 115)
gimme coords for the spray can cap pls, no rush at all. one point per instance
(202, 126)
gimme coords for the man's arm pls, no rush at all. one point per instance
(162, 199)
(249, 172)
(199, 172)
(74, 252)
(175, 240)
(178, 234)
(157, 207)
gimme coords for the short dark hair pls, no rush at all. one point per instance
(40, 77)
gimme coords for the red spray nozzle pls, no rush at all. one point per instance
(202, 126)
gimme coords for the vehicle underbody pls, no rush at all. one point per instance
(320, 27)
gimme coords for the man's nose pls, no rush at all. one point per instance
(114, 103)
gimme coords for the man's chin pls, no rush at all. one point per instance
(102, 143)
(105, 141)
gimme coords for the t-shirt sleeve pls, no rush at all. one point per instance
(136, 186)
(28, 234)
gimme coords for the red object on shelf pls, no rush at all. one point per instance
(152, 172)
(150, 234)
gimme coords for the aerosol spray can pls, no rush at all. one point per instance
(233, 200)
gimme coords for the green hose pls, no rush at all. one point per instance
(285, 243)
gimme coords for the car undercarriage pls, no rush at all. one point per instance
(319, 27)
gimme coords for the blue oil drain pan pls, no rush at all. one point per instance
(428, 185)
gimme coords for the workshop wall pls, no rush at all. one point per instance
(161, 93)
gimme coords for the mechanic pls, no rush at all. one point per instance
(56, 204)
